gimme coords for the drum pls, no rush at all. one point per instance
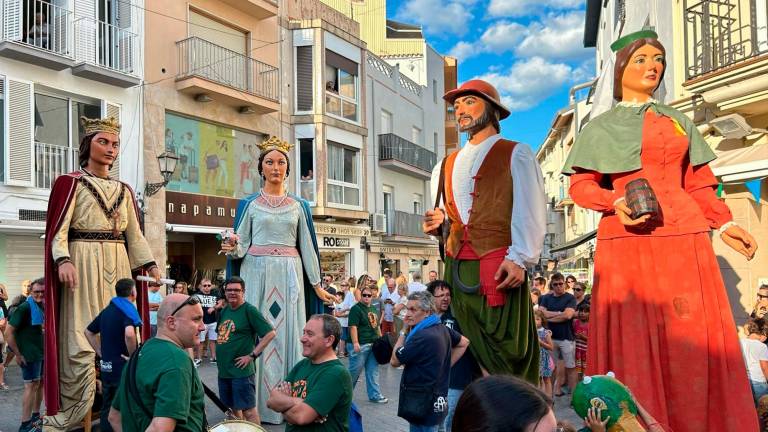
(236, 426)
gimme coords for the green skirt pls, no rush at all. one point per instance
(503, 339)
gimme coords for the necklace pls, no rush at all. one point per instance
(274, 201)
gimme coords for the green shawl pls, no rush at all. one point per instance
(611, 142)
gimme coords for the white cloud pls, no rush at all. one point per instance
(556, 36)
(528, 82)
(518, 8)
(438, 16)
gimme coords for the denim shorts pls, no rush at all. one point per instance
(238, 393)
(32, 371)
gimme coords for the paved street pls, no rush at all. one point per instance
(375, 417)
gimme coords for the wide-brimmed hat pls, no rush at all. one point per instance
(480, 88)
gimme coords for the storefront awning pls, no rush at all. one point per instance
(575, 242)
(741, 164)
(194, 229)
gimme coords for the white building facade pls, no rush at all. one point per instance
(60, 60)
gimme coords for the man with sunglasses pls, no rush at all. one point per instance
(559, 307)
(761, 305)
(212, 301)
(240, 325)
(25, 339)
(162, 390)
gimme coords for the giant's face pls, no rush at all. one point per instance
(471, 113)
(104, 148)
(643, 72)
(274, 167)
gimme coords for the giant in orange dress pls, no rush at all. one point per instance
(661, 319)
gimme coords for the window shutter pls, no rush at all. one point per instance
(125, 37)
(85, 31)
(340, 62)
(19, 104)
(304, 78)
(12, 19)
(109, 109)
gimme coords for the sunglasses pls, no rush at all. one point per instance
(557, 283)
(761, 296)
(366, 295)
(232, 290)
(206, 285)
(193, 300)
(38, 292)
(578, 289)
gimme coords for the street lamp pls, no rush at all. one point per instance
(167, 162)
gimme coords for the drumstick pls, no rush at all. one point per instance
(151, 279)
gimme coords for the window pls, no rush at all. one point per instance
(416, 135)
(2, 129)
(341, 93)
(343, 178)
(434, 138)
(307, 169)
(434, 90)
(418, 206)
(304, 78)
(57, 135)
(386, 122)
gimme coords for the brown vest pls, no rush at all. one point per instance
(488, 228)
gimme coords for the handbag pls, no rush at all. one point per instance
(416, 402)
(382, 349)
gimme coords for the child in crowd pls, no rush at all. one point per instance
(756, 355)
(535, 295)
(546, 362)
(341, 313)
(581, 333)
(400, 307)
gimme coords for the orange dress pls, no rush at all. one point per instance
(660, 316)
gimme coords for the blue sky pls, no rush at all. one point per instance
(531, 50)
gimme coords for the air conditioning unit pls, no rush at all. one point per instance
(379, 222)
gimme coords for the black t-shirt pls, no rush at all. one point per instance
(208, 301)
(111, 324)
(427, 359)
(562, 330)
(466, 368)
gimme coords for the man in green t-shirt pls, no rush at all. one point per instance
(240, 323)
(317, 394)
(25, 339)
(168, 392)
(364, 330)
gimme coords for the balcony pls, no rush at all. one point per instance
(401, 155)
(52, 161)
(721, 34)
(227, 76)
(36, 32)
(105, 53)
(260, 9)
(400, 223)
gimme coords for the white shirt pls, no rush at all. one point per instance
(416, 287)
(529, 210)
(754, 351)
(395, 297)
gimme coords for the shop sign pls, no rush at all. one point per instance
(335, 242)
(388, 250)
(203, 210)
(347, 230)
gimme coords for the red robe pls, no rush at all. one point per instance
(62, 193)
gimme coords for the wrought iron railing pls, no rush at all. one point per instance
(51, 161)
(105, 45)
(404, 224)
(37, 23)
(198, 57)
(721, 33)
(393, 147)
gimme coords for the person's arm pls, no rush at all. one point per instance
(701, 185)
(585, 190)
(529, 216)
(458, 350)
(161, 424)
(294, 410)
(131, 341)
(263, 342)
(547, 342)
(139, 254)
(394, 361)
(354, 338)
(563, 316)
(10, 339)
(115, 420)
(764, 368)
(398, 307)
(94, 341)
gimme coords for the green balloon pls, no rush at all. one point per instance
(605, 392)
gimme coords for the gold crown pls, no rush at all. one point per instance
(108, 125)
(275, 143)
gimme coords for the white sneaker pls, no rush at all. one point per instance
(197, 362)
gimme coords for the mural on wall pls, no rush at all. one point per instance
(213, 160)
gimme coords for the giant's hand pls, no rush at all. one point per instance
(155, 273)
(624, 212)
(740, 240)
(228, 246)
(68, 275)
(514, 275)
(324, 295)
(432, 220)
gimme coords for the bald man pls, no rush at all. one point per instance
(170, 394)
